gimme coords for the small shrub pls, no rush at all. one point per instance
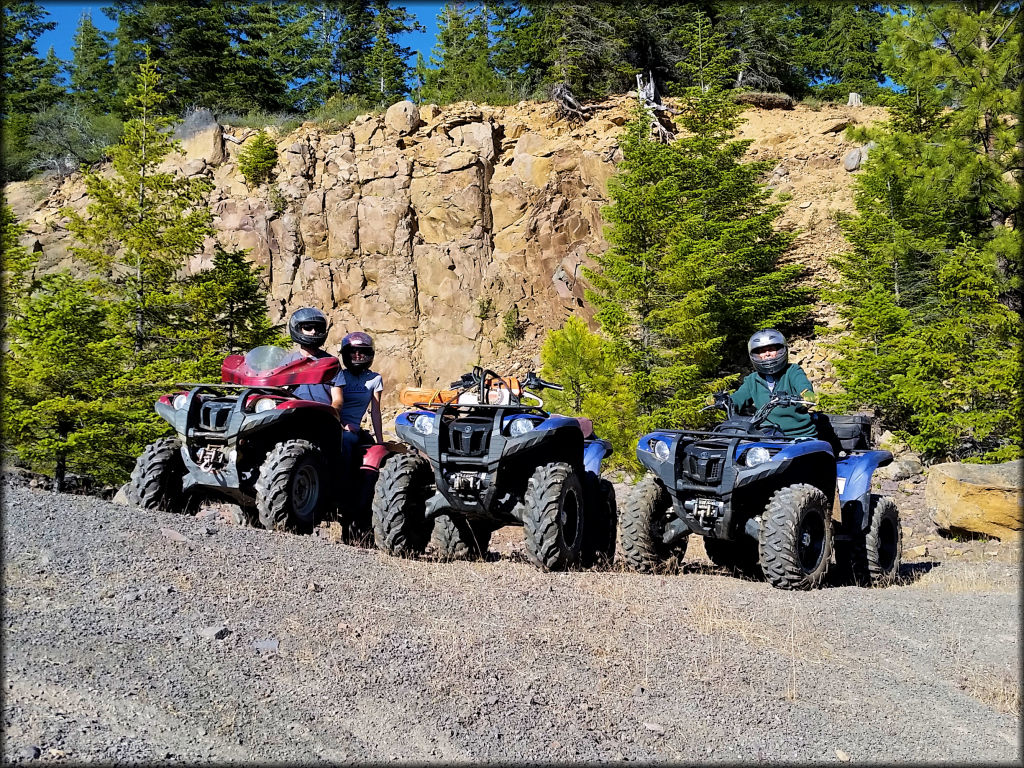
(812, 103)
(484, 307)
(514, 330)
(340, 110)
(784, 197)
(257, 159)
(278, 203)
(285, 122)
(764, 100)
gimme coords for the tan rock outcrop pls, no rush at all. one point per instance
(977, 498)
(426, 225)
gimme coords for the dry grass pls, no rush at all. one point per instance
(971, 578)
(1000, 691)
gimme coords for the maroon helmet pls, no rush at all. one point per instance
(357, 342)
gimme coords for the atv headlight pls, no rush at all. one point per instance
(756, 455)
(520, 427)
(660, 450)
(265, 404)
(423, 425)
(179, 402)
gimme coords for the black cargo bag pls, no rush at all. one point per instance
(847, 433)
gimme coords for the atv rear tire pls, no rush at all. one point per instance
(456, 538)
(600, 524)
(292, 487)
(739, 557)
(400, 526)
(158, 477)
(552, 510)
(642, 527)
(875, 554)
(795, 545)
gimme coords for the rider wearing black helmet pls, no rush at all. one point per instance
(308, 328)
(773, 373)
(355, 388)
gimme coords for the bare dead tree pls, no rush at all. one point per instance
(650, 100)
(568, 108)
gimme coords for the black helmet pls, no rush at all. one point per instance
(362, 342)
(308, 317)
(765, 338)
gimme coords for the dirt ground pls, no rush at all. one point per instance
(132, 636)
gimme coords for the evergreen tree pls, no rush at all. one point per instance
(582, 363)
(764, 40)
(931, 289)
(839, 47)
(385, 64)
(227, 312)
(461, 68)
(693, 266)
(30, 84)
(58, 377)
(91, 72)
(142, 223)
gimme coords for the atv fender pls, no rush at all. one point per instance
(853, 476)
(594, 452)
(374, 457)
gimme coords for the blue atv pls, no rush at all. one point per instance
(484, 454)
(762, 501)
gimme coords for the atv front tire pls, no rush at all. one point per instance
(400, 526)
(795, 544)
(456, 538)
(552, 510)
(600, 525)
(292, 487)
(158, 477)
(642, 527)
(875, 554)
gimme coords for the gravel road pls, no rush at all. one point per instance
(138, 636)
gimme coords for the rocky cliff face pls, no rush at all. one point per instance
(425, 226)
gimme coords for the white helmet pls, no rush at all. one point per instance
(765, 338)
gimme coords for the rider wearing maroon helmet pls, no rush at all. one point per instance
(354, 389)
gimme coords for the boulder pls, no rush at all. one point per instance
(977, 498)
(402, 118)
(903, 467)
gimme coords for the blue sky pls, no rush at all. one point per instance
(67, 14)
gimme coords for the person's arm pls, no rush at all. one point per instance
(378, 431)
(742, 395)
(337, 399)
(803, 385)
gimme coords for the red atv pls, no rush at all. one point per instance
(250, 441)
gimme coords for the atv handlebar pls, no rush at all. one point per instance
(781, 400)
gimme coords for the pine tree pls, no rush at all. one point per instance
(141, 223)
(386, 66)
(58, 377)
(931, 289)
(693, 266)
(227, 312)
(91, 72)
(839, 47)
(764, 40)
(582, 363)
(30, 84)
(461, 68)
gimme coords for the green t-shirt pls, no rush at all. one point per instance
(794, 420)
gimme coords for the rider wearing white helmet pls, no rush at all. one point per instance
(773, 373)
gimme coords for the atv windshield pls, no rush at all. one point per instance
(266, 359)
